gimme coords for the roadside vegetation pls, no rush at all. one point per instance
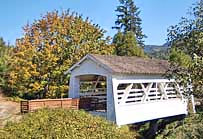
(189, 128)
(61, 123)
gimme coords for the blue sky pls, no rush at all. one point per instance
(157, 15)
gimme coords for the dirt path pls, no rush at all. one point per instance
(9, 111)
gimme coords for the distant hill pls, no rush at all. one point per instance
(157, 51)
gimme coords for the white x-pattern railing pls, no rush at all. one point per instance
(140, 91)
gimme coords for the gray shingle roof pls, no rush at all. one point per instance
(132, 65)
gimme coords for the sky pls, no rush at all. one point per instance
(156, 15)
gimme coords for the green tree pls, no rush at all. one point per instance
(180, 58)
(126, 45)
(128, 20)
(49, 47)
(4, 55)
(186, 39)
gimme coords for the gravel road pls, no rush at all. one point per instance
(9, 111)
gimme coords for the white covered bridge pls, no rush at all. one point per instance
(126, 90)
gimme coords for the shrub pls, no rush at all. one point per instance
(61, 124)
(190, 128)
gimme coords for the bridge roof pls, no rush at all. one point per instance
(127, 64)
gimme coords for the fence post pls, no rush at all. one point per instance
(193, 104)
(61, 103)
(24, 106)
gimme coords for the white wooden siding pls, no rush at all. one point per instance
(147, 99)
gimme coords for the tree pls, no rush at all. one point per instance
(187, 39)
(4, 55)
(128, 20)
(48, 48)
(179, 57)
(126, 45)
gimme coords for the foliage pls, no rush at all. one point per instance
(190, 128)
(180, 57)
(5, 51)
(128, 19)
(126, 45)
(197, 75)
(48, 48)
(186, 39)
(128, 40)
(62, 124)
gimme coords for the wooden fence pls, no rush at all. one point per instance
(32, 105)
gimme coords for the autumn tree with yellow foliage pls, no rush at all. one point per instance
(48, 48)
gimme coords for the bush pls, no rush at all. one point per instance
(189, 128)
(61, 124)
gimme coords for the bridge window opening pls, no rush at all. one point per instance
(93, 93)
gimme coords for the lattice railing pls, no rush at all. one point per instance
(134, 92)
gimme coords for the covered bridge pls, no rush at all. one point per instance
(125, 89)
